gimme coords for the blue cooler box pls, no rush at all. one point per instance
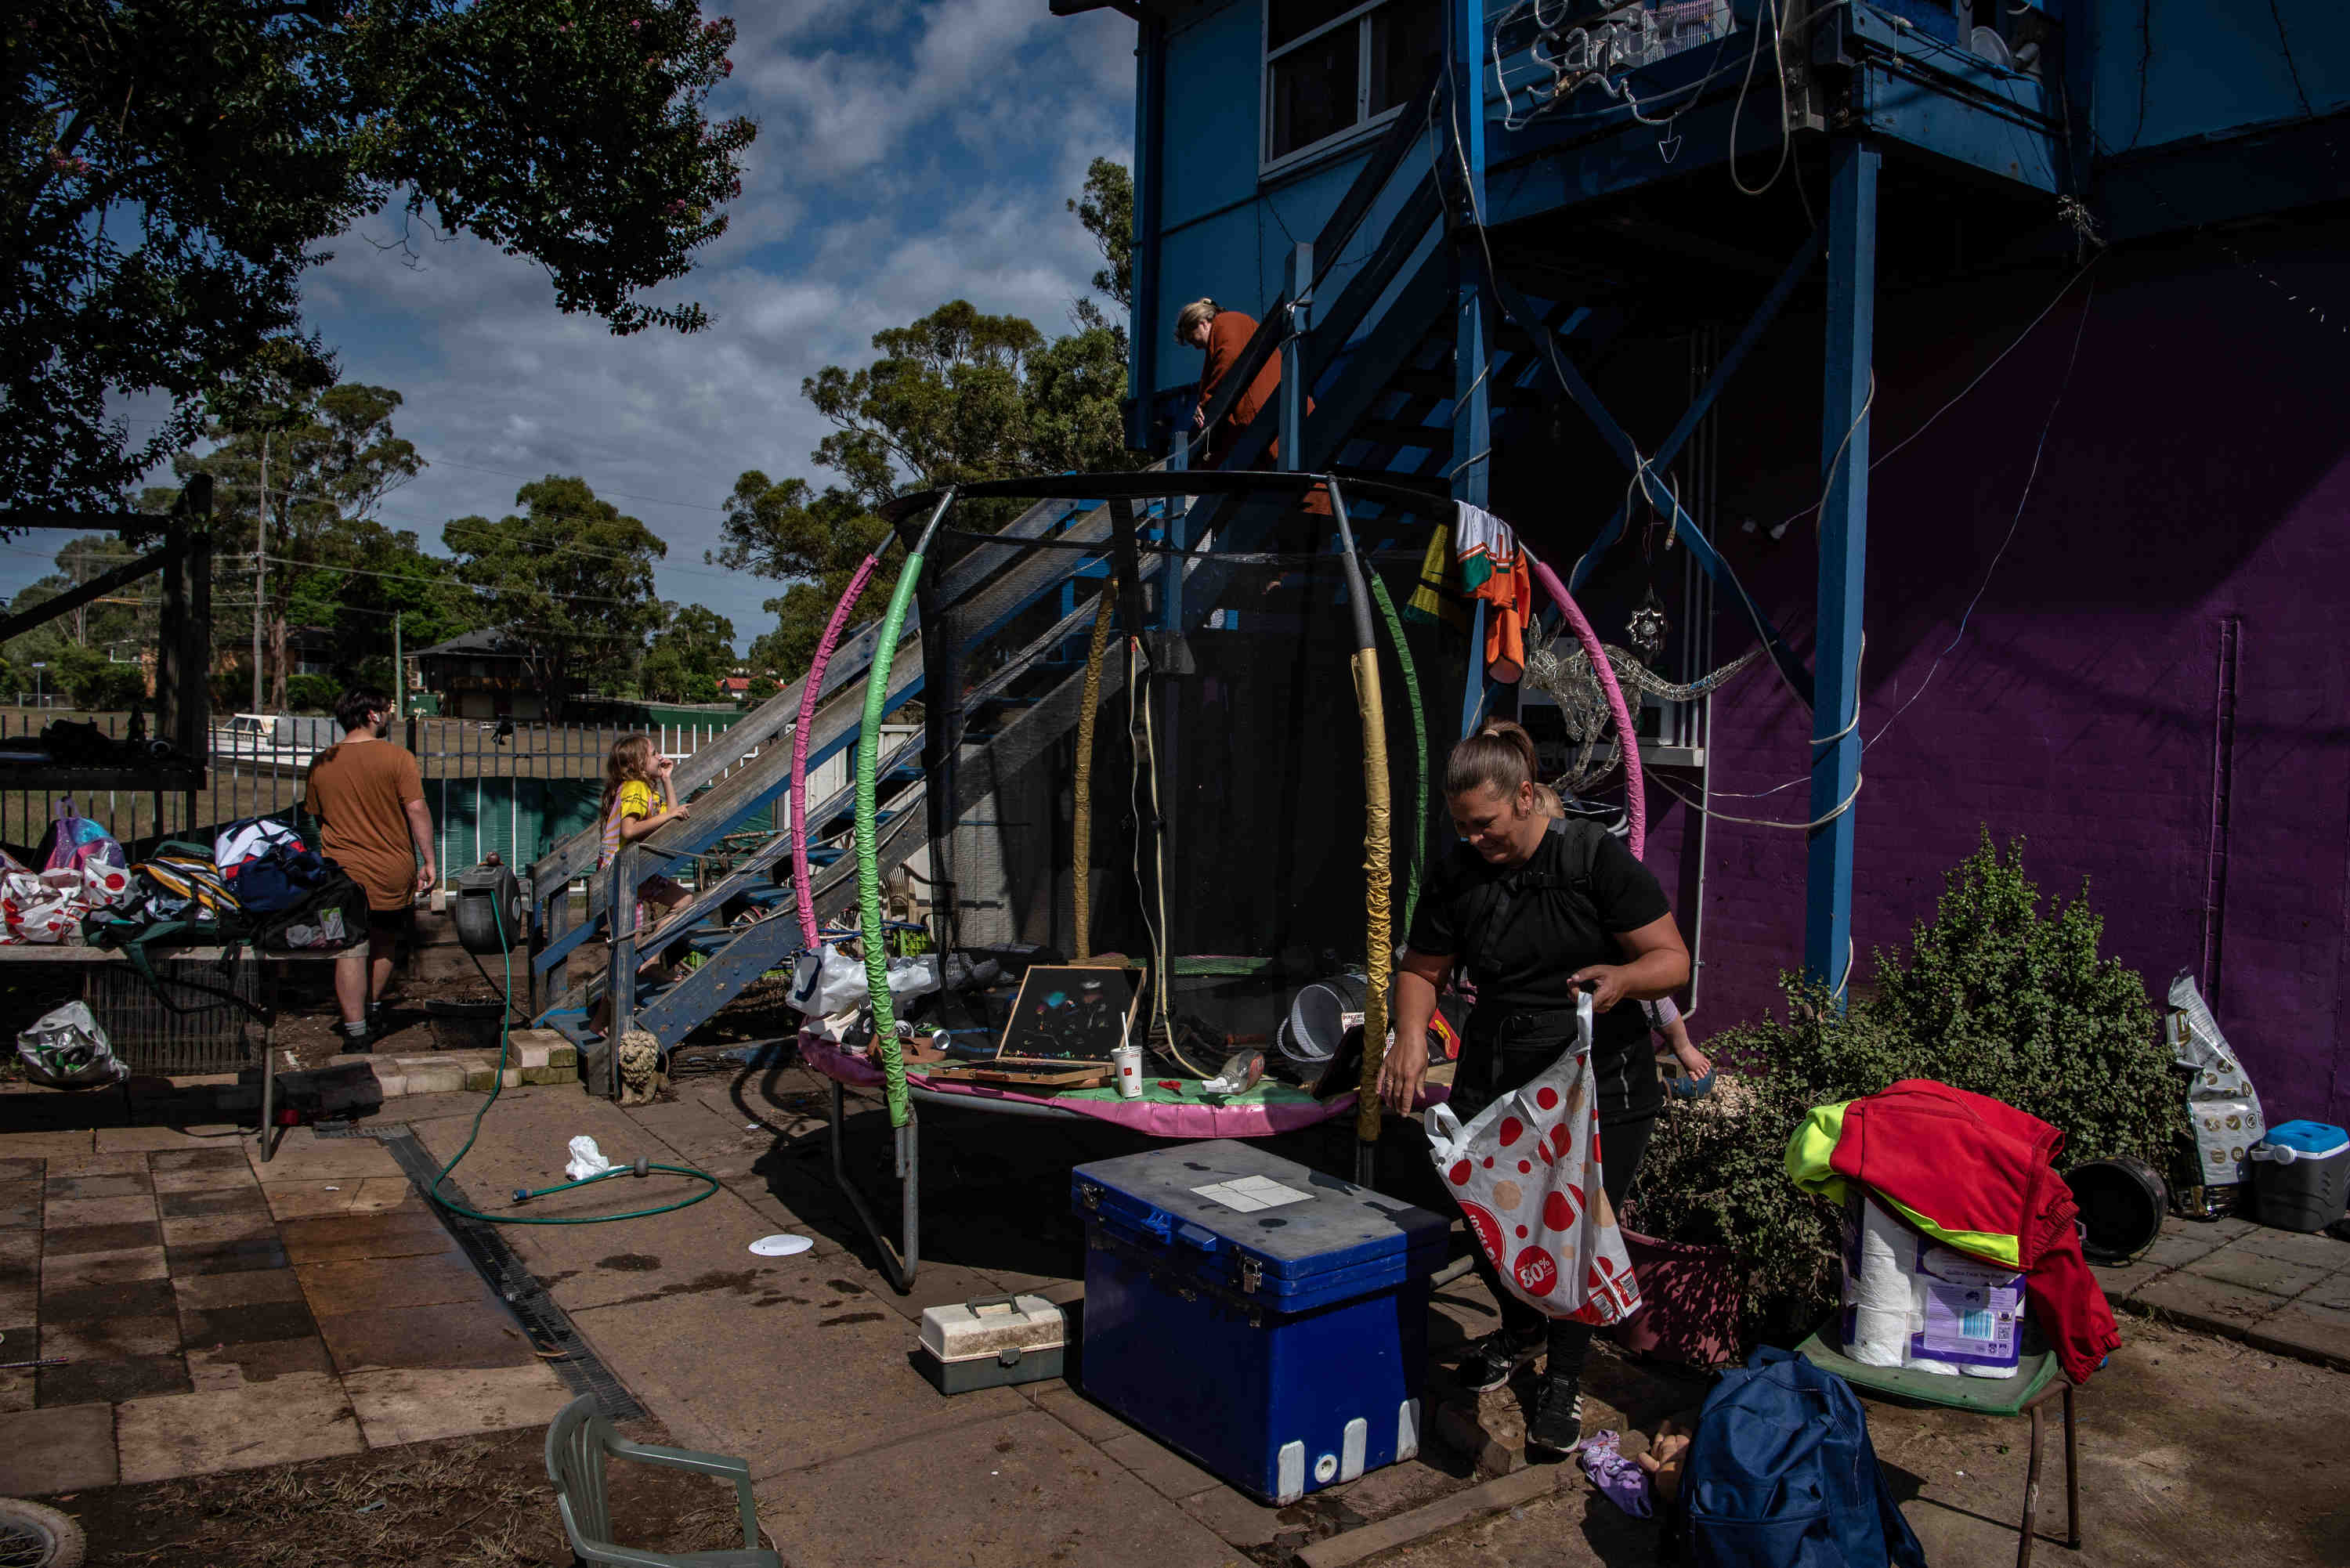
(1267, 1320)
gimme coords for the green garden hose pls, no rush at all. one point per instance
(1419, 747)
(868, 861)
(523, 1194)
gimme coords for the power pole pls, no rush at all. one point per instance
(260, 567)
(399, 671)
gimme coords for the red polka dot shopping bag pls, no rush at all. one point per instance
(1526, 1171)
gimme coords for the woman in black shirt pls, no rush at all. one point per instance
(1537, 909)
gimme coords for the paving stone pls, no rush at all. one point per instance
(1241, 1520)
(1019, 1491)
(21, 1247)
(846, 1386)
(127, 1298)
(112, 1338)
(202, 1180)
(2236, 1266)
(230, 1158)
(2175, 1248)
(221, 1366)
(2332, 1292)
(69, 1213)
(242, 1199)
(2213, 1305)
(102, 1268)
(359, 1283)
(67, 1241)
(446, 1336)
(122, 1184)
(14, 1169)
(2311, 1249)
(182, 1135)
(112, 1382)
(20, 1289)
(46, 1451)
(251, 1323)
(199, 1230)
(394, 1233)
(415, 1404)
(120, 1163)
(228, 1257)
(1082, 1415)
(369, 1194)
(304, 1157)
(305, 1416)
(2124, 1281)
(51, 1144)
(1168, 1473)
(21, 1204)
(20, 1391)
(210, 1292)
(2307, 1332)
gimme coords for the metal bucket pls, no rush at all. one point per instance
(2122, 1203)
(1319, 1018)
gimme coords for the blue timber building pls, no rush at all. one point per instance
(1639, 275)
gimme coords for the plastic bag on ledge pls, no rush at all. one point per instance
(66, 1049)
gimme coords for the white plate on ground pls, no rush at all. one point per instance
(781, 1245)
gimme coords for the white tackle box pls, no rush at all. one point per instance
(990, 1342)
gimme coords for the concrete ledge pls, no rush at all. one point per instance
(1489, 1430)
(1488, 1497)
(448, 1071)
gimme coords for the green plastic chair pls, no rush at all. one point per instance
(2036, 1382)
(577, 1445)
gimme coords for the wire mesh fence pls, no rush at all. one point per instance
(492, 785)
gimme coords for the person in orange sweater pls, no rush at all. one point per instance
(1223, 336)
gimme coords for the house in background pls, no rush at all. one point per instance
(734, 689)
(2053, 293)
(480, 674)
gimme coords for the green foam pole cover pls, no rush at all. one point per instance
(868, 861)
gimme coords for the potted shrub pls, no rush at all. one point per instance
(2000, 993)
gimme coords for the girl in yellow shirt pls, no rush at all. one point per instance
(636, 802)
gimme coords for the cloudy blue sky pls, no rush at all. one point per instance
(910, 151)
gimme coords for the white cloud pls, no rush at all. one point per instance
(909, 153)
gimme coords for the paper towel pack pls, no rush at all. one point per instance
(1921, 1306)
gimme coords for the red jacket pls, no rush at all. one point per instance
(1973, 1174)
(1229, 332)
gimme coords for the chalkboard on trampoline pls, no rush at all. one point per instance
(1071, 1013)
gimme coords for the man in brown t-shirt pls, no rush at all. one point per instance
(369, 801)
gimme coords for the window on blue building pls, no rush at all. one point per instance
(1334, 68)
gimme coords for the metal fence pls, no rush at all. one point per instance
(491, 785)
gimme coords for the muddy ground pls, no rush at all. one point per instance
(464, 1502)
(2193, 1451)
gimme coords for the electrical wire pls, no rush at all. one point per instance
(1786, 143)
(1880, 458)
(2014, 523)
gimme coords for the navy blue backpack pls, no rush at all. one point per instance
(1781, 1475)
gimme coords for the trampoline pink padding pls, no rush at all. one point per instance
(1177, 1112)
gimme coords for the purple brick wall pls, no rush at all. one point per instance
(2198, 469)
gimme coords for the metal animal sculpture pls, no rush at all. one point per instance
(1568, 678)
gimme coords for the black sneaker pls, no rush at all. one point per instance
(1557, 1424)
(1493, 1360)
(360, 1044)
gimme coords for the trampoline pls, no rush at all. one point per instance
(1184, 779)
